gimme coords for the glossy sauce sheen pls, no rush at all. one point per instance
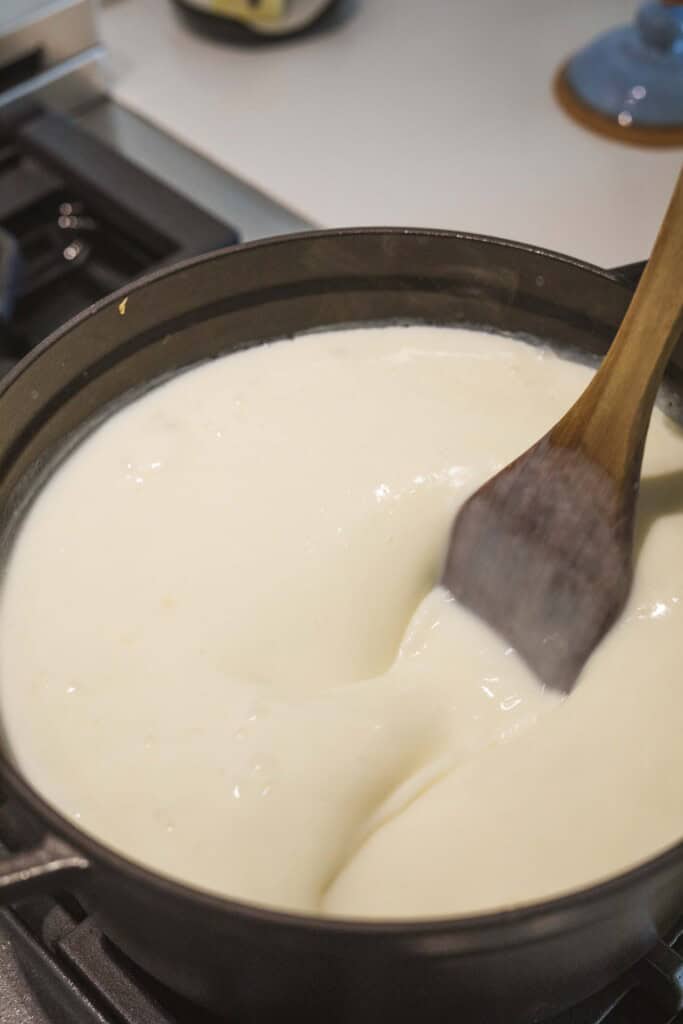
(222, 653)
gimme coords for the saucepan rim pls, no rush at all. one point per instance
(503, 922)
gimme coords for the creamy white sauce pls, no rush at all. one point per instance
(222, 654)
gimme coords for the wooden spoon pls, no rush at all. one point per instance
(543, 552)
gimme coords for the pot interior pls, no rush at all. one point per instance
(271, 290)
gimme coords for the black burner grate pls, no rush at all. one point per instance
(78, 221)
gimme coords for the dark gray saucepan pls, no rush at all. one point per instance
(256, 964)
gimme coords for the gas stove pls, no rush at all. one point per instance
(79, 221)
(91, 197)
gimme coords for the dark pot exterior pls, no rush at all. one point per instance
(514, 966)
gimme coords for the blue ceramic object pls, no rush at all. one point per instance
(634, 74)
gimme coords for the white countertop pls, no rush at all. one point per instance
(434, 113)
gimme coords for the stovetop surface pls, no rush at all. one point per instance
(77, 222)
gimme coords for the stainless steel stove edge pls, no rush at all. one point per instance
(50, 52)
(221, 193)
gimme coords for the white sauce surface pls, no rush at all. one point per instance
(221, 653)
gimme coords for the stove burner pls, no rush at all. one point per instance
(78, 221)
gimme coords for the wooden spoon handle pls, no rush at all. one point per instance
(610, 420)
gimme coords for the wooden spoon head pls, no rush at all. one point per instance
(543, 554)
